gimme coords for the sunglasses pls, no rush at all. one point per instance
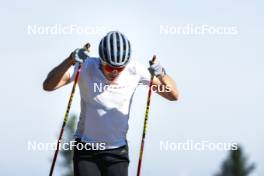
(111, 69)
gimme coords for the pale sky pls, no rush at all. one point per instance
(220, 78)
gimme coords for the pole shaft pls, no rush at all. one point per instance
(65, 120)
(145, 122)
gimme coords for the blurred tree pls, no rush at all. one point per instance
(236, 164)
(67, 155)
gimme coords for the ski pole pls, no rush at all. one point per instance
(87, 46)
(145, 121)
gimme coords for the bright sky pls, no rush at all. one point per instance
(220, 77)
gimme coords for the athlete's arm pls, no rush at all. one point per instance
(59, 76)
(163, 84)
(166, 87)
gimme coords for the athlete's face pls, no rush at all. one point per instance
(111, 72)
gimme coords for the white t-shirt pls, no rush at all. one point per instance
(105, 107)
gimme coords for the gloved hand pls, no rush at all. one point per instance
(80, 55)
(156, 69)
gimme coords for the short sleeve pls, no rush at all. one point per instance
(143, 73)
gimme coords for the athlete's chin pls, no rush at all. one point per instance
(111, 78)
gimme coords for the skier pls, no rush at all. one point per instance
(107, 85)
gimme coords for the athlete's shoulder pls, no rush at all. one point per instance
(135, 66)
(139, 66)
(91, 61)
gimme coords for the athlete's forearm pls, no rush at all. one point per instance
(55, 76)
(170, 85)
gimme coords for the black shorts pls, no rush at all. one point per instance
(109, 162)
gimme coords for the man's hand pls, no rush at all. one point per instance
(156, 69)
(80, 55)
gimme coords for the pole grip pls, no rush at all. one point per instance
(154, 58)
(87, 47)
